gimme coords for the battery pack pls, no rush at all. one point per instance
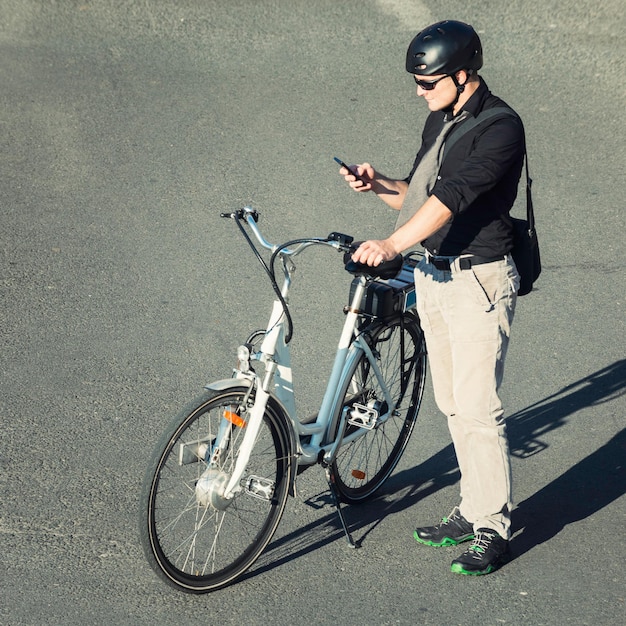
(385, 298)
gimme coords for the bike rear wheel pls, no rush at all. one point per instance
(199, 543)
(363, 464)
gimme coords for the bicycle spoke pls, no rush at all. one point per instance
(193, 545)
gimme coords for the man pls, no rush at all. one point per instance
(457, 207)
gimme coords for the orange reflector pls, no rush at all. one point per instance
(358, 474)
(234, 419)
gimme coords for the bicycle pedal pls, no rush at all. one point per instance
(260, 487)
(363, 416)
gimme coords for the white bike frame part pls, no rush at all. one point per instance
(276, 357)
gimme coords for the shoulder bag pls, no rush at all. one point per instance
(525, 250)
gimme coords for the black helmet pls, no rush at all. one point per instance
(444, 48)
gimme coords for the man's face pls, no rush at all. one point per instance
(442, 92)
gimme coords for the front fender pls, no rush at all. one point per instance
(228, 383)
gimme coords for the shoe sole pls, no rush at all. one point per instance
(448, 541)
(459, 569)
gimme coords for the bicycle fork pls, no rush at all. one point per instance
(216, 487)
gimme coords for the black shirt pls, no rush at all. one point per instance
(477, 180)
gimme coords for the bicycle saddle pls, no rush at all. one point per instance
(386, 270)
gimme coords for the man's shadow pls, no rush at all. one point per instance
(581, 491)
(527, 426)
(586, 487)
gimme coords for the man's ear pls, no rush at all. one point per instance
(462, 77)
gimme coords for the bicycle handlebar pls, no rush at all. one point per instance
(339, 241)
(251, 216)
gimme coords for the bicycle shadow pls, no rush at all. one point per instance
(584, 489)
(401, 491)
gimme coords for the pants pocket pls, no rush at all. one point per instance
(490, 282)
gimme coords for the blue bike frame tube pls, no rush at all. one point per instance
(330, 395)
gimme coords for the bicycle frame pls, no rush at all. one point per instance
(274, 354)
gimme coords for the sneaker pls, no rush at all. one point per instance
(452, 530)
(487, 552)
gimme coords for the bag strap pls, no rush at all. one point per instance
(483, 116)
(530, 214)
(466, 126)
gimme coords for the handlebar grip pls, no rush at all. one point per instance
(385, 270)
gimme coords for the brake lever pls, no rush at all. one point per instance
(344, 241)
(242, 214)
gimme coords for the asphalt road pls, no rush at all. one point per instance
(127, 126)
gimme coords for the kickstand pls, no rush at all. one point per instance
(335, 499)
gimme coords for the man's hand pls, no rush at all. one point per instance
(374, 252)
(365, 173)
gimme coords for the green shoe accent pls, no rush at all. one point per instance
(451, 531)
(447, 541)
(457, 568)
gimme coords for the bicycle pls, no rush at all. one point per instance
(220, 476)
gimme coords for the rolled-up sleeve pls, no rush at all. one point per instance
(478, 162)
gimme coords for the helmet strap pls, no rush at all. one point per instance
(459, 90)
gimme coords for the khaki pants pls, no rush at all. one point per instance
(466, 316)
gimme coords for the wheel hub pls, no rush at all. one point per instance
(210, 489)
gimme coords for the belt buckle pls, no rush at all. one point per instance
(441, 264)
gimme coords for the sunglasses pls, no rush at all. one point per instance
(428, 85)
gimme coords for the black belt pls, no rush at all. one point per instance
(465, 263)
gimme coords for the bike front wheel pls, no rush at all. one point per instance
(376, 432)
(194, 539)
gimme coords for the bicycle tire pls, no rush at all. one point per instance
(363, 465)
(196, 547)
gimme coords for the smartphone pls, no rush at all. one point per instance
(338, 160)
